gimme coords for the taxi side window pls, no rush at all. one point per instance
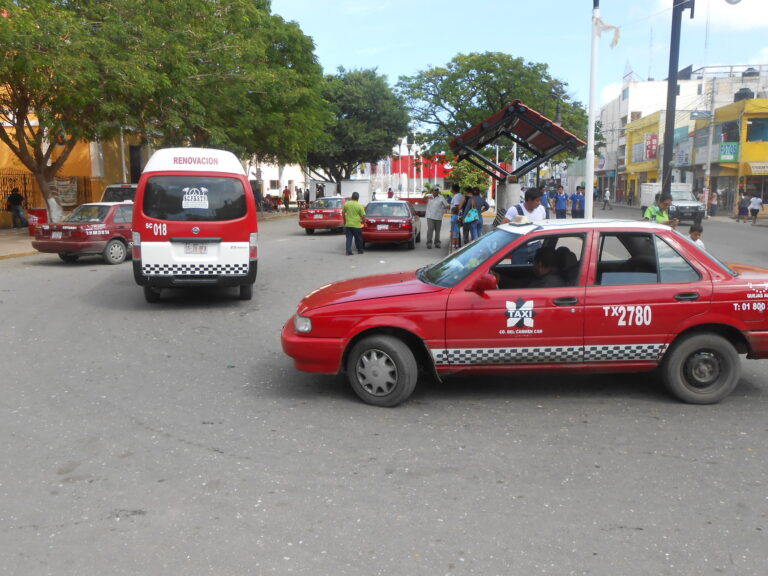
(673, 268)
(626, 259)
(124, 214)
(516, 269)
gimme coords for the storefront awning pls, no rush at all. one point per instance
(757, 168)
(541, 137)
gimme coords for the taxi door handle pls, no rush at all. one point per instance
(567, 301)
(687, 296)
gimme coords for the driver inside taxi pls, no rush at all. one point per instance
(545, 272)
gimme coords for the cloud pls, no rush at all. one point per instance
(610, 92)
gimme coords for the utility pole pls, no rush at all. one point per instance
(711, 137)
(669, 127)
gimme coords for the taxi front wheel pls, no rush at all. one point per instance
(382, 371)
(701, 369)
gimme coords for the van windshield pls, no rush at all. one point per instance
(194, 198)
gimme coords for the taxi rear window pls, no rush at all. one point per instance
(194, 198)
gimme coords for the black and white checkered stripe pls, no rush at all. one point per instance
(194, 269)
(624, 352)
(525, 355)
(548, 354)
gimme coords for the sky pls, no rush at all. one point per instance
(402, 38)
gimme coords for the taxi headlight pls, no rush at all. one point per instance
(302, 324)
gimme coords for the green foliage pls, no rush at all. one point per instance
(368, 119)
(450, 99)
(467, 175)
(223, 73)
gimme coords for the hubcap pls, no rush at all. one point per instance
(376, 372)
(702, 369)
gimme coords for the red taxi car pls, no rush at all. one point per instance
(323, 214)
(559, 296)
(100, 228)
(392, 221)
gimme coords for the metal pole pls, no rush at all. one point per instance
(708, 165)
(669, 127)
(590, 158)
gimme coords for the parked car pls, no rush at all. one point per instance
(119, 193)
(323, 214)
(612, 296)
(392, 221)
(99, 228)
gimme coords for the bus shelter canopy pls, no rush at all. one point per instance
(539, 136)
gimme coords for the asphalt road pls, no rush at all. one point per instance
(176, 438)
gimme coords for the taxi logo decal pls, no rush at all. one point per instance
(520, 314)
(758, 290)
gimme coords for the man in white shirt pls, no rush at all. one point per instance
(530, 208)
(436, 207)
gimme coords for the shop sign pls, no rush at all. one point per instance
(759, 168)
(729, 152)
(651, 146)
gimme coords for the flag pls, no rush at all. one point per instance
(600, 27)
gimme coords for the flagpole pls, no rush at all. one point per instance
(590, 159)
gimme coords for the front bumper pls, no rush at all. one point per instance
(319, 355)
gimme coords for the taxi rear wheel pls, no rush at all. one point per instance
(66, 257)
(701, 369)
(382, 371)
(115, 252)
(309, 231)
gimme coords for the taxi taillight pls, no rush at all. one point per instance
(253, 246)
(136, 248)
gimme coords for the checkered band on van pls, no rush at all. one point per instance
(528, 355)
(624, 352)
(194, 269)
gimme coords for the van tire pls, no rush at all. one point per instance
(115, 252)
(246, 291)
(151, 295)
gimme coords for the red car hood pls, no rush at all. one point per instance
(366, 288)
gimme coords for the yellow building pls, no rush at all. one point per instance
(644, 152)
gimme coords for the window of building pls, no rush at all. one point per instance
(757, 130)
(625, 93)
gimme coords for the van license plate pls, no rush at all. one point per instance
(195, 248)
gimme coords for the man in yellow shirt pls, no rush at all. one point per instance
(353, 223)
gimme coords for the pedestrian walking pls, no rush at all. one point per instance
(577, 203)
(607, 199)
(714, 201)
(436, 207)
(455, 208)
(743, 207)
(354, 213)
(755, 205)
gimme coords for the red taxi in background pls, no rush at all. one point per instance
(100, 228)
(559, 296)
(323, 214)
(392, 221)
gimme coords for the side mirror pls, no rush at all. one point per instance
(484, 283)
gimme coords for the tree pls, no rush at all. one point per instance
(467, 175)
(368, 120)
(448, 100)
(181, 72)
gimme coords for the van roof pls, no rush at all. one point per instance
(194, 160)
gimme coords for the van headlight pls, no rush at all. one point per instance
(302, 324)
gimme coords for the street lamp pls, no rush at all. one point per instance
(409, 144)
(674, 57)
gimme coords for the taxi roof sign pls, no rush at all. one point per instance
(194, 160)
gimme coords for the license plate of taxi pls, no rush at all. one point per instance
(195, 248)
(56, 235)
(382, 227)
(318, 216)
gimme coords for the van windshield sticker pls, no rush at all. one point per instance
(195, 198)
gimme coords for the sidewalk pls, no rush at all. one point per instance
(15, 243)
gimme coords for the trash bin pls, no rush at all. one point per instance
(36, 216)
